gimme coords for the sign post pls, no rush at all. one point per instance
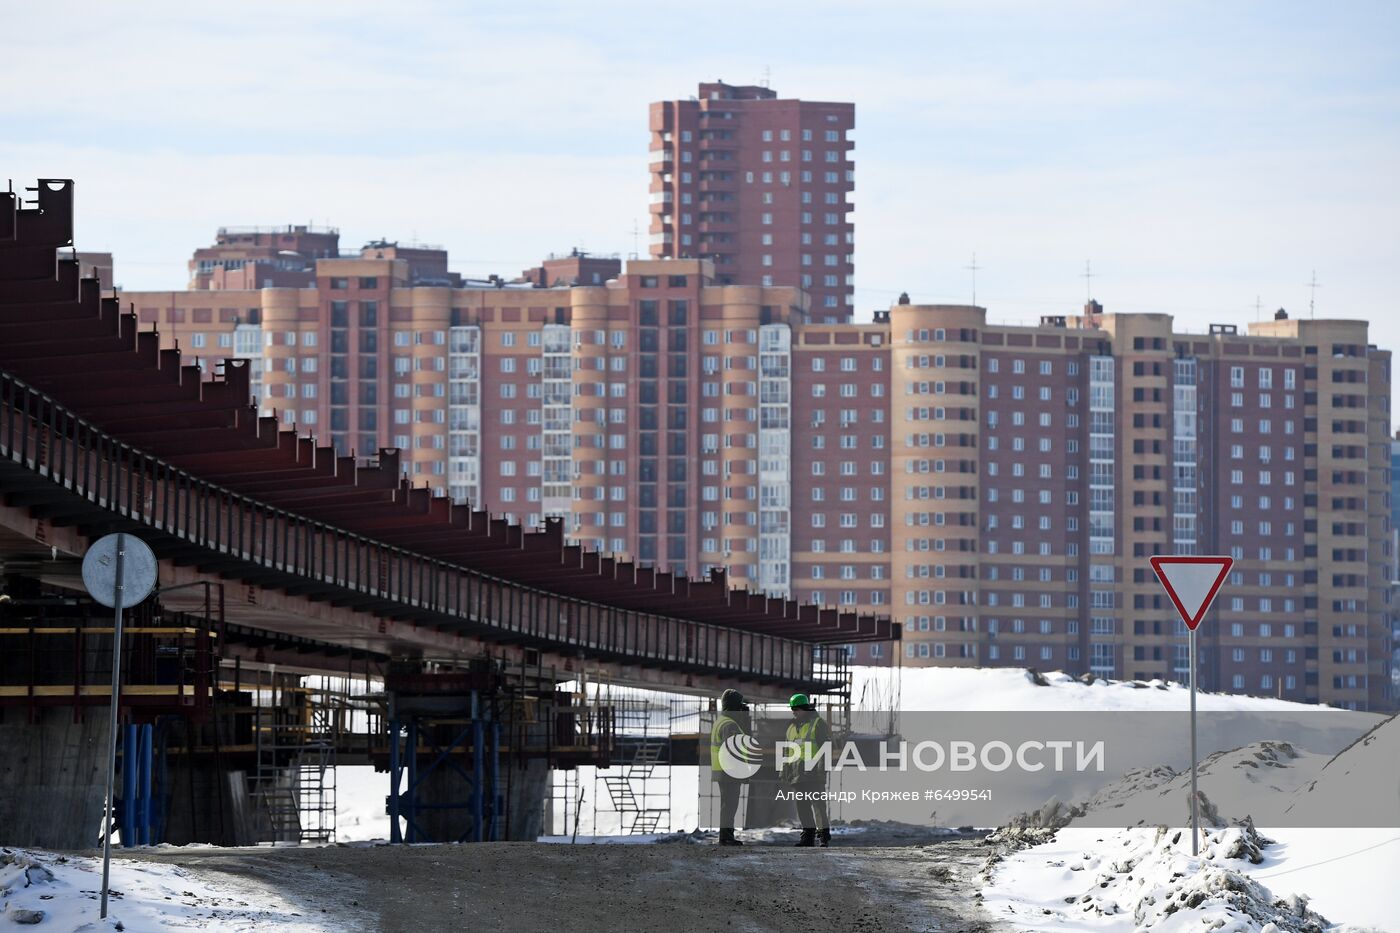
(119, 571)
(1192, 583)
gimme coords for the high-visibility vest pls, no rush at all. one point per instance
(716, 740)
(805, 734)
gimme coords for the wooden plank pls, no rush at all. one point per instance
(105, 630)
(95, 690)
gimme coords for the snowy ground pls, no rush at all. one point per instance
(1146, 879)
(60, 894)
(1083, 879)
(972, 689)
(1138, 879)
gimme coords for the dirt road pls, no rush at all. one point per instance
(669, 887)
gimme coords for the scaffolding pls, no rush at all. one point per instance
(297, 731)
(631, 792)
(640, 793)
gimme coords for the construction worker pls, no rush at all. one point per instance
(811, 733)
(733, 719)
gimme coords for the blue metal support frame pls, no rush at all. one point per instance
(497, 798)
(143, 787)
(137, 812)
(128, 797)
(483, 798)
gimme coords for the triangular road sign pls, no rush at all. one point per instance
(1192, 583)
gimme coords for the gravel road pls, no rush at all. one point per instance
(671, 887)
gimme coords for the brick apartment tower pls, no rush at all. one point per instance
(997, 489)
(760, 186)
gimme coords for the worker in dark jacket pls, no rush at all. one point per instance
(811, 733)
(732, 725)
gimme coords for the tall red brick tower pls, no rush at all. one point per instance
(760, 186)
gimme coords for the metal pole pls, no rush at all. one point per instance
(1195, 815)
(112, 722)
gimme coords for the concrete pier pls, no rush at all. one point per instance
(52, 772)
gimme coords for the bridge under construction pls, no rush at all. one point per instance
(311, 608)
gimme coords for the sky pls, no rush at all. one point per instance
(1207, 158)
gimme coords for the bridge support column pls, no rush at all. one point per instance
(52, 772)
(453, 777)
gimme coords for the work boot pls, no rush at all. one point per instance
(824, 838)
(807, 840)
(726, 838)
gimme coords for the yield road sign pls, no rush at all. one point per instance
(1192, 583)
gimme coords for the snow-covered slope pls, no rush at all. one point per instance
(1016, 689)
(1363, 775)
(1257, 781)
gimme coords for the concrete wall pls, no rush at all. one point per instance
(528, 784)
(207, 805)
(52, 774)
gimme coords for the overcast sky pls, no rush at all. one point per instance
(1202, 155)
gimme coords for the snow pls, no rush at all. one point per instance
(1350, 873)
(1348, 876)
(1362, 775)
(1115, 879)
(1256, 781)
(146, 897)
(1005, 689)
(1095, 879)
(1141, 879)
(360, 793)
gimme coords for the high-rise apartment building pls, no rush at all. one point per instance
(761, 187)
(262, 257)
(997, 489)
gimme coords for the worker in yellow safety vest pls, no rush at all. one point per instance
(811, 733)
(732, 725)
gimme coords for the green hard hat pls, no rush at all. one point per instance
(800, 701)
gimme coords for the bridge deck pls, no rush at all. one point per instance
(101, 430)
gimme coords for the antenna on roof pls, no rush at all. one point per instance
(1257, 309)
(767, 77)
(1088, 275)
(973, 267)
(1313, 286)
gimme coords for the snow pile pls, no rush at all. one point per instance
(1003, 689)
(60, 894)
(1147, 879)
